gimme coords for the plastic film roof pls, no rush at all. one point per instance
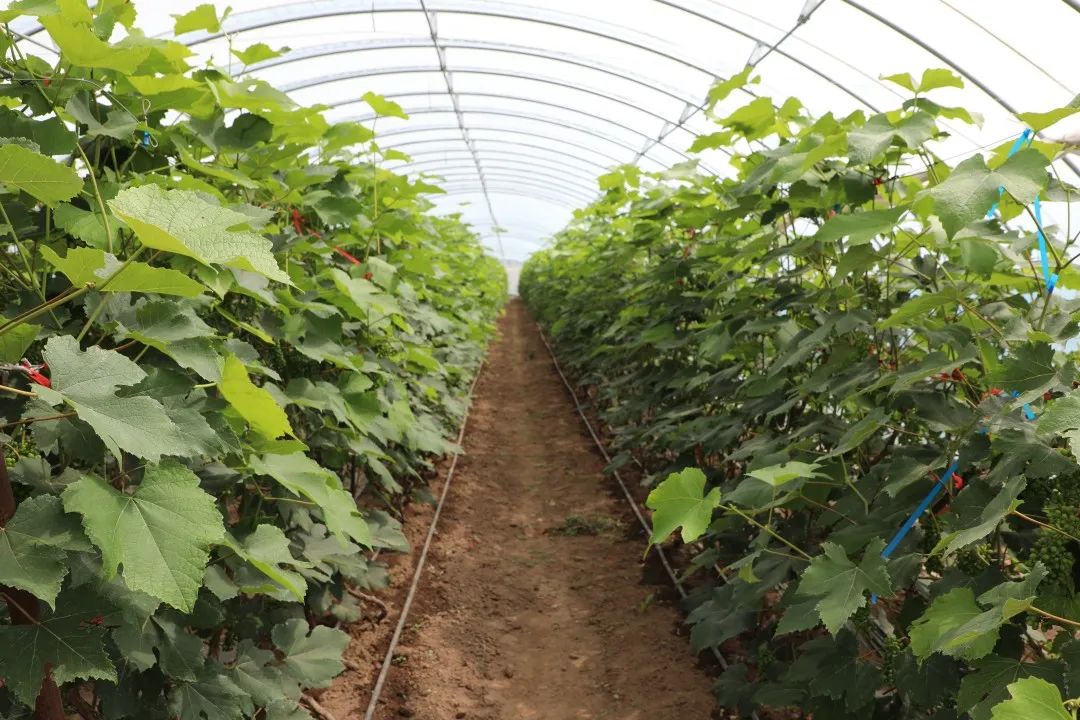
(519, 106)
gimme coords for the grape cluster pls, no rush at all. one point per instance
(973, 560)
(1052, 548)
(765, 657)
(1058, 489)
(890, 659)
(931, 535)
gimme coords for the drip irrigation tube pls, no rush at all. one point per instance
(384, 671)
(645, 525)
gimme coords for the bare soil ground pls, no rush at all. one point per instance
(535, 602)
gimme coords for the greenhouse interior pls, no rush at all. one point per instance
(487, 360)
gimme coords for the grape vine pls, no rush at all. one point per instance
(797, 352)
(231, 346)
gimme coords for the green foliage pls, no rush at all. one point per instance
(681, 501)
(230, 412)
(818, 335)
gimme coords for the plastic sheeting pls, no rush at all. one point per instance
(520, 106)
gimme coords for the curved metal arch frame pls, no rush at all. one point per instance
(292, 87)
(560, 188)
(516, 98)
(386, 7)
(1009, 107)
(579, 200)
(551, 160)
(523, 116)
(462, 44)
(517, 173)
(454, 164)
(539, 171)
(614, 160)
(437, 128)
(535, 192)
(534, 195)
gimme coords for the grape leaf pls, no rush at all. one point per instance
(777, 475)
(1031, 368)
(203, 17)
(213, 695)
(180, 221)
(258, 52)
(840, 584)
(382, 106)
(973, 188)
(985, 685)
(267, 549)
(949, 615)
(1032, 698)
(254, 403)
(14, 342)
(37, 175)
(860, 228)
(680, 501)
(992, 515)
(67, 639)
(161, 533)
(84, 266)
(303, 476)
(32, 545)
(119, 123)
(87, 381)
(175, 330)
(256, 672)
(311, 660)
(80, 46)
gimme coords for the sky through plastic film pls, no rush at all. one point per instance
(519, 106)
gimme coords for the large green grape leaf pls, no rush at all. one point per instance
(972, 188)
(80, 46)
(69, 639)
(860, 228)
(257, 673)
(955, 625)
(311, 660)
(88, 380)
(213, 695)
(37, 175)
(1032, 698)
(992, 514)
(1031, 368)
(303, 476)
(866, 143)
(985, 685)
(161, 533)
(177, 331)
(119, 123)
(841, 584)
(14, 342)
(267, 549)
(145, 638)
(33, 544)
(203, 17)
(680, 501)
(254, 403)
(84, 266)
(182, 222)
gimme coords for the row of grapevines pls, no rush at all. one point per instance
(230, 346)
(803, 349)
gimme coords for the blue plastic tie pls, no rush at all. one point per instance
(1028, 412)
(1025, 137)
(943, 482)
(1049, 277)
(146, 138)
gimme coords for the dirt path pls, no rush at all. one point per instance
(533, 603)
